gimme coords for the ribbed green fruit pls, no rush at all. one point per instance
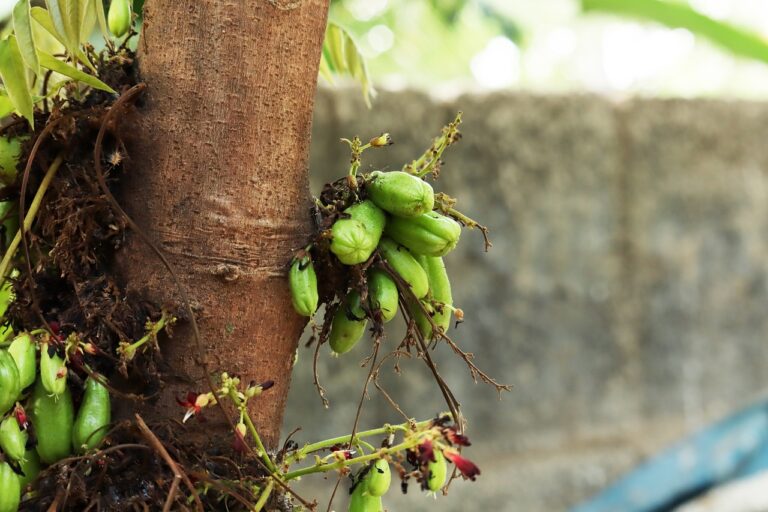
(119, 17)
(303, 282)
(53, 370)
(438, 470)
(24, 353)
(10, 489)
(400, 193)
(30, 466)
(13, 440)
(10, 150)
(346, 331)
(10, 385)
(378, 478)
(439, 300)
(93, 417)
(53, 418)
(354, 239)
(362, 501)
(430, 234)
(403, 262)
(382, 294)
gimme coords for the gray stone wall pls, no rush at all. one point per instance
(625, 295)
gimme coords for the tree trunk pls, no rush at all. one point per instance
(218, 179)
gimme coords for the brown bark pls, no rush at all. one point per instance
(218, 179)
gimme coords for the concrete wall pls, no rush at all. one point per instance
(625, 295)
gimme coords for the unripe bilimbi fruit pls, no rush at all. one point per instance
(400, 193)
(440, 296)
(354, 239)
(30, 466)
(10, 489)
(430, 234)
(119, 17)
(53, 370)
(12, 439)
(53, 418)
(10, 385)
(382, 294)
(10, 150)
(303, 283)
(362, 501)
(378, 478)
(346, 331)
(403, 262)
(23, 351)
(438, 470)
(93, 417)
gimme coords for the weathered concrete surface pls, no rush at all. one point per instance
(624, 296)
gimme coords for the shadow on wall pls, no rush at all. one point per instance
(624, 296)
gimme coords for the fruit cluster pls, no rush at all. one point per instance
(394, 219)
(39, 423)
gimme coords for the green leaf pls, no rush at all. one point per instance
(56, 17)
(50, 62)
(325, 69)
(65, 20)
(341, 55)
(334, 43)
(14, 76)
(676, 15)
(22, 26)
(43, 17)
(98, 7)
(87, 18)
(6, 105)
(70, 9)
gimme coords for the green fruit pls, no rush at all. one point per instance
(93, 417)
(418, 316)
(382, 294)
(53, 419)
(30, 466)
(10, 151)
(119, 17)
(303, 283)
(10, 489)
(11, 223)
(430, 234)
(23, 351)
(438, 470)
(400, 193)
(13, 440)
(403, 262)
(440, 297)
(362, 501)
(378, 478)
(53, 370)
(10, 385)
(354, 239)
(348, 325)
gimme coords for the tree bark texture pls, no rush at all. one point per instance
(218, 179)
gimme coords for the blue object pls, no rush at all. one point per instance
(733, 448)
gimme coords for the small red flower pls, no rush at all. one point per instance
(466, 466)
(194, 404)
(426, 452)
(21, 416)
(455, 438)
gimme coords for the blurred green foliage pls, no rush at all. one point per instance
(431, 40)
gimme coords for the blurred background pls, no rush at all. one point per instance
(616, 150)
